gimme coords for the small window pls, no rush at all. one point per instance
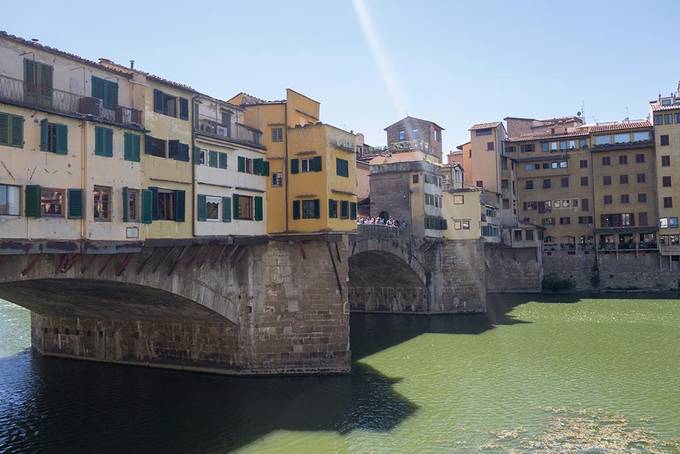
(623, 159)
(102, 203)
(665, 161)
(668, 202)
(166, 205)
(479, 184)
(10, 200)
(212, 208)
(52, 202)
(564, 182)
(640, 158)
(584, 181)
(277, 179)
(342, 167)
(606, 161)
(277, 134)
(666, 181)
(309, 209)
(584, 163)
(625, 198)
(245, 207)
(606, 180)
(641, 177)
(11, 130)
(664, 140)
(489, 146)
(132, 205)
(547, 183)
(402, 135)
(623, 179)
(414, 179)
(642, 197)
(529, 184)
(458, 199)
(607, 200)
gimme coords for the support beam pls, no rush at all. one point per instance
(141, 266)
(227, 260)
(63, 260)
(160, 262)
(123, 264)
(337, 253)
(74, 258)
(172, 267)
(239, 256)
(30, 265)
(216, 260)
(302, 251)
(86, 264)
(193, 257)
(106, 264)
(335, 269)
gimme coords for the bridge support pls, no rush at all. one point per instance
(278, 307)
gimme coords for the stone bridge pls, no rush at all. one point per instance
(267, 305)
(391, 271)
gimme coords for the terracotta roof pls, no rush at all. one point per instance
(493, 124)
(622, 125)
(36, 45)
(250, 100)
(656, 106)
(408, 117)
(116, 66)
(576, 132)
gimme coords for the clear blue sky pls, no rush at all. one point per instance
(455, 64)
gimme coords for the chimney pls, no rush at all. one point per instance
(132, 64)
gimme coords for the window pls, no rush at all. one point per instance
(305, 165)
(103, 141)
(310, 209)
(510, 149)
(622, 138)
(668, 202)
(37, 83)
(603, 140)
(344, 209)
(564, 182)
(341, 167)
(585, 205)
(663, 223)
(245, 165)
(437, 135)
(668, 119)
(415, 134)
(332, 209)
(102, 203)
(546, 183)
(545, 147)
(154, 147)
(665, 161)
(584, 181)
(625, 198)
(565, 220)
(277, 179)
(583, 163)
(52, 202)
(458, 199)
(212, 208)
(131, 205)
(606, 180)
(402, 135)
(664, 140)
(641, 177)
(105, 90)
(607, 200)
(666, 181)
(178, 151)
(226, 120)
(504, 184)
(277, 134)
(166, 205)
(548, 221)
(606, 161)
(165, 104)
(479, 183)
(640, 158)
(623, 159)
(483, 132)
(623, 179)
(642, 197)
(489, 146)
(642, 219)
(526, 148)
(10, 200)
(243, 207)
(529, 184)
(11, 130)
(53, 137)
(585, 220)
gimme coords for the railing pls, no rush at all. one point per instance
(210, 126)
(15, 90)
(382, 231)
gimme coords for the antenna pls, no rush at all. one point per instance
(627, 114)
(582, 112)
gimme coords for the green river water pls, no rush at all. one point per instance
(535, 374)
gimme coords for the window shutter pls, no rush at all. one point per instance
(332, 208)
(294, 166)
(222, 164)
(154, 202)
(32, 202)
(353, 210)
(136, 147)
(226, 209)
(317, 209)
(157, 101)
(97, 88)
(108, 142)
(257, 166)
(265, 168)
(62, 139)
(99, 141)
(110, 95)
(43, 135)
(147, 206)
(183, 109)
(126, 215)
(212, 158)
(258, 208)
(316, 164)
(241, 164)
(237, 208)
(173, 149)
(201, 209)
(179, 205)
(16, 131)
(184, 152)
(128, 153)
(197, 155)
(75, 203)
(296, 209)
(4, 129)
(148, 144)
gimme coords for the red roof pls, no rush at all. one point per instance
(623, 125)
(656, 106)
(485, 125)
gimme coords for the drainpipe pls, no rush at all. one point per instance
(285, 161)
(83, 177)
(193, 166)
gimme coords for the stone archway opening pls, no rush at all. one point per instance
(383, 282)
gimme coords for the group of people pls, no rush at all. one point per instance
(377, 220)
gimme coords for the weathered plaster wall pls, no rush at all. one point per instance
(512, 270)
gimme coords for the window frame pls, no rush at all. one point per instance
(97, 207)
(43, 213)
(7, 199)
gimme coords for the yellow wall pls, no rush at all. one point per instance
(469, 210)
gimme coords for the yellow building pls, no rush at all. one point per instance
(312, 185)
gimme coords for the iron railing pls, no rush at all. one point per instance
(15, 90)
(213, 127)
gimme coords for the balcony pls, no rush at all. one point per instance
(233, 132)
(51, 99)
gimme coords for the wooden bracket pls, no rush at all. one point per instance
(123, 264)
(172, 267)
(30, 265)
(106, 264)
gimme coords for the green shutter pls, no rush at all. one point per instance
(197, 155)
(226, 209)
(110, 95)
(62, 139)
(4, 129)
(237, 208)
(97, 88)
(108, 142)
(294, 166)
(296, 209)
(99, 141)
(241, 164)
(265, 168)
(44, 145)
(201, 209)
(179, 197)
(126, 215)
(257, 166)
(154, 202)
(183, 109)
(158, 101)
(258, 208)
(317, 209)
(32, 203)
(212, 158)
(147, 206)
(75, 203)
(131, 146)
(17, 131)
(222, 164)
(352, 210)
